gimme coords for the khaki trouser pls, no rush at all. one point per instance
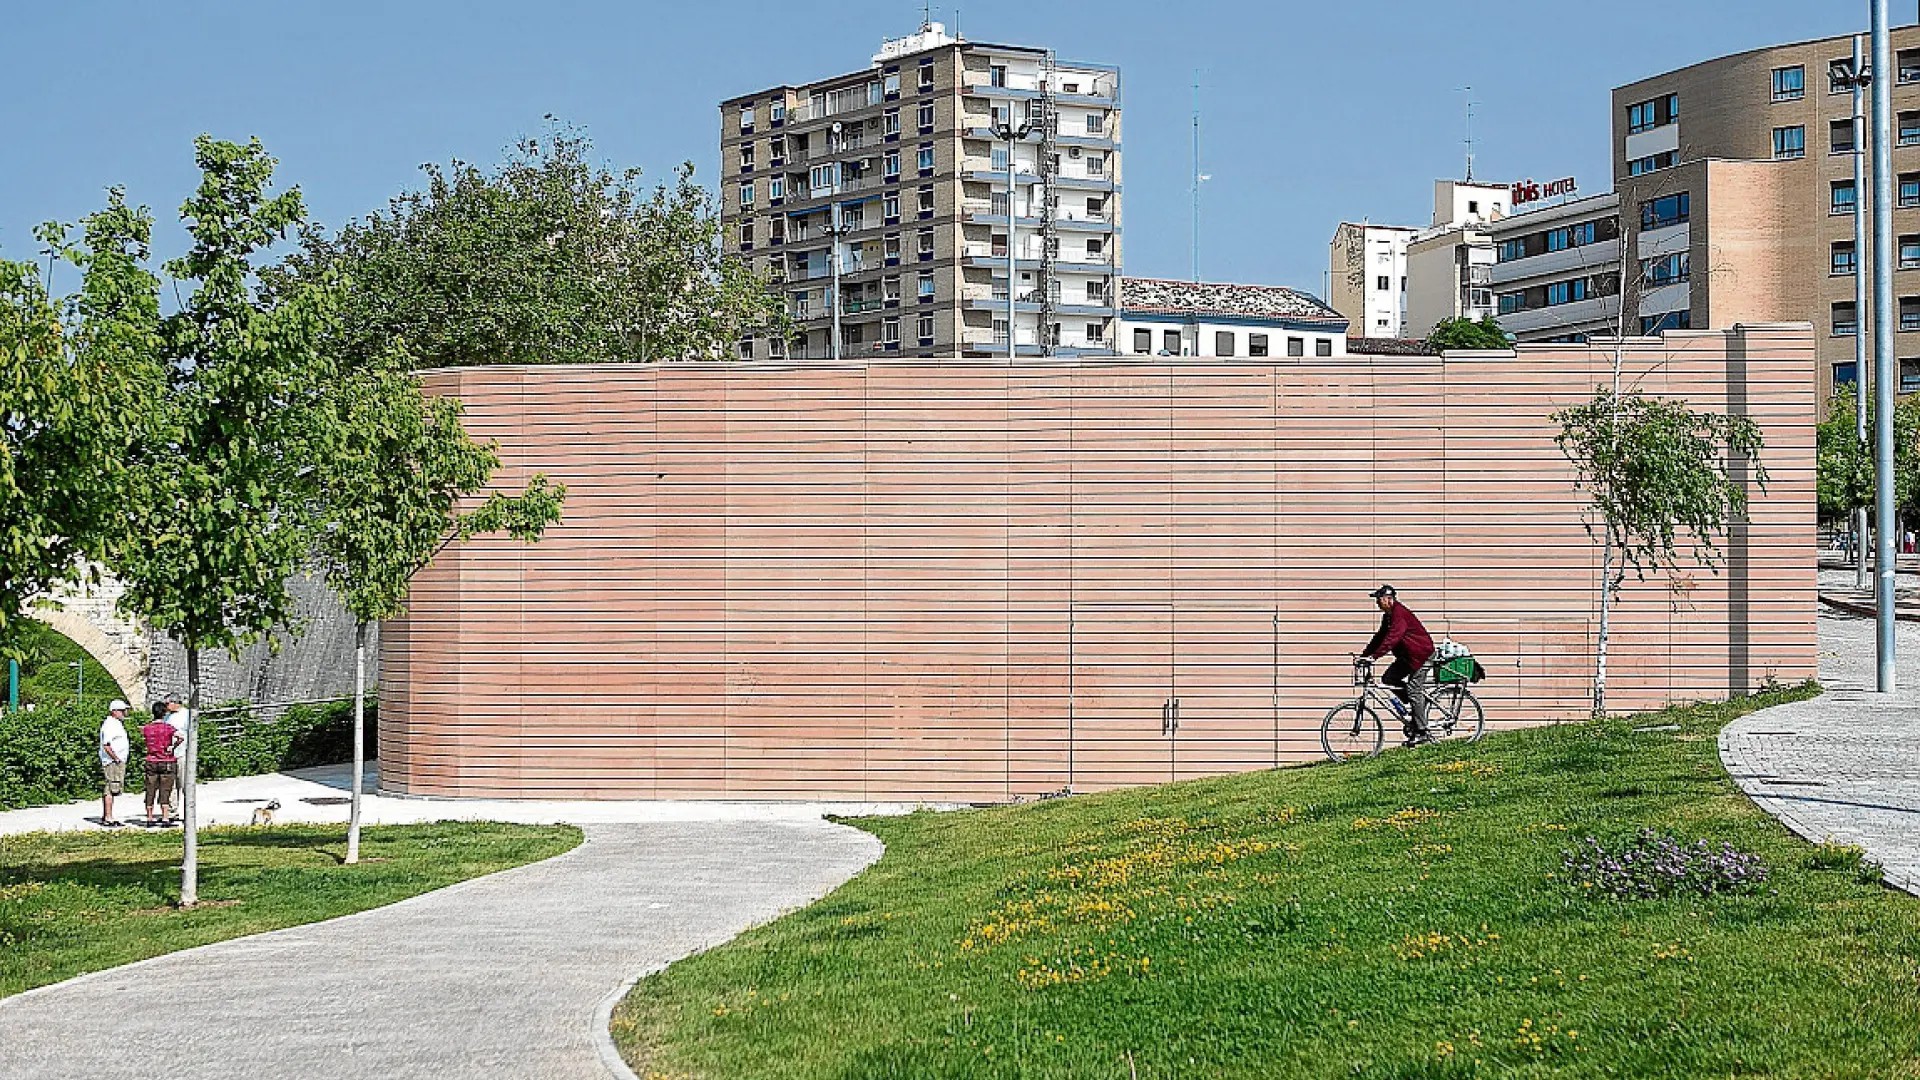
(160, 776)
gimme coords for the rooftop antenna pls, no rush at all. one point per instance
(1468, 90)
(1198, 177)
(926, 15)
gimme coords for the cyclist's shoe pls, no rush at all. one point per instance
(1419, 738)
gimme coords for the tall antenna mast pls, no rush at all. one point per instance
(1468, 90)
(926, 15)
(1197, 177)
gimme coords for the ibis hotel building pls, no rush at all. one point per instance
(1735, 185)
(879, 199)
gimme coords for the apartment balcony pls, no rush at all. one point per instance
(1595, 310)
(856, 307)
(1602, 255)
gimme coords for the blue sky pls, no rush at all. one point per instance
(1311, 112)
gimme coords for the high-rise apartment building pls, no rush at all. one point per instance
(892, 182)
(1735, 181)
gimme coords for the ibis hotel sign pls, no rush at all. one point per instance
(1526, 191)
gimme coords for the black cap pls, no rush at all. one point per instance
(1384, 590)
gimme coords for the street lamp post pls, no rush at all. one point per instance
(1011, 135)
(1884, 372)
(835, 230)
(1857, 82)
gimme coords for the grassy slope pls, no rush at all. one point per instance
(77, 902)
(1405, 917)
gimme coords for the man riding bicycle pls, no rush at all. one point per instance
(1402, 635)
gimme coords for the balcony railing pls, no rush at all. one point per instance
(855, 307)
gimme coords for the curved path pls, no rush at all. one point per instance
(501, 976)
(1845, 765)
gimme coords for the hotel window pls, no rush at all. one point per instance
(1666, 270)
(926, 285)
(1845, 374)
(746, 118)
(1558, 293)
(925, 159)
(1584, 234)
(1665, 210)
(1840, 198)
(1256, 344)
(1512, 302)
(1642, 166)
(1909, 376)
(1640, 118)
(1223, 343)
(746, 195)
(1910, 253)
(1559, 239)
(1840, 261)
(1511, 250)
(1323, 346)
(779, 111)
(924, 325)
(1910, 313)
(1142, 341)
(1170, 342)
(1096, 333)
(924, 116)
(1789, 83)
(746, 157)
(1840, 136)
(1907, 63)
(1672, 320)
(1789, 143)
(1910, 189)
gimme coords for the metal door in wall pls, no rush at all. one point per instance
(1119, 719)
(1226, 700)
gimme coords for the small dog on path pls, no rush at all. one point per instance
(263, 815)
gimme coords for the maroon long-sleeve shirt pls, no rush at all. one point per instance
(1402, 635)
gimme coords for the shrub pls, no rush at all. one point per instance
(1653, 865)
(1833, 855)
(48, 755)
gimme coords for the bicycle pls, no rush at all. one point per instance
(1357, 729)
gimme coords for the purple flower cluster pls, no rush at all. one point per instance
(1654, 865)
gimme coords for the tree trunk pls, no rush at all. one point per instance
(359, 739)
(1606, 626)
(189, 772)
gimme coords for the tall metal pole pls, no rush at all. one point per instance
(1011, 248)
(1884, 373)
(833, 257)
(1860, 576)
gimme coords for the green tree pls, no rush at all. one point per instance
(393, 479)
(1459, 333)
(1655, 471)
(547, 259)
(72, 401)
(226, 520)
(1844, 478)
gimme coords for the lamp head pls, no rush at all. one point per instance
(1844, 75)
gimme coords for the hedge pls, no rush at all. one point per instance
(50, 755)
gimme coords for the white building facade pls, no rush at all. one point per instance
(1556, 271)
(1367, 267)
(1161, 317)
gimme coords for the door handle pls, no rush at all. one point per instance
(1175, 726)
(1166, 717)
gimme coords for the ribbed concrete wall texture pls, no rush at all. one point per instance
(977, 582)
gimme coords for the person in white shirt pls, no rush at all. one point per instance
(177, 716)
(113, 758)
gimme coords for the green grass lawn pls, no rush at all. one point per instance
(77, 902)
(1404, 917)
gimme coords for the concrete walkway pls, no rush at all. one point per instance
(502, 976)
(320, 795)
(1845, 765)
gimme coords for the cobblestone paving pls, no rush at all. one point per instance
(1845, 765)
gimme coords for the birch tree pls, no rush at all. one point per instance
(397, 481)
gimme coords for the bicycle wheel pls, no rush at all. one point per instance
(1352, 729)
(1463, 718)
